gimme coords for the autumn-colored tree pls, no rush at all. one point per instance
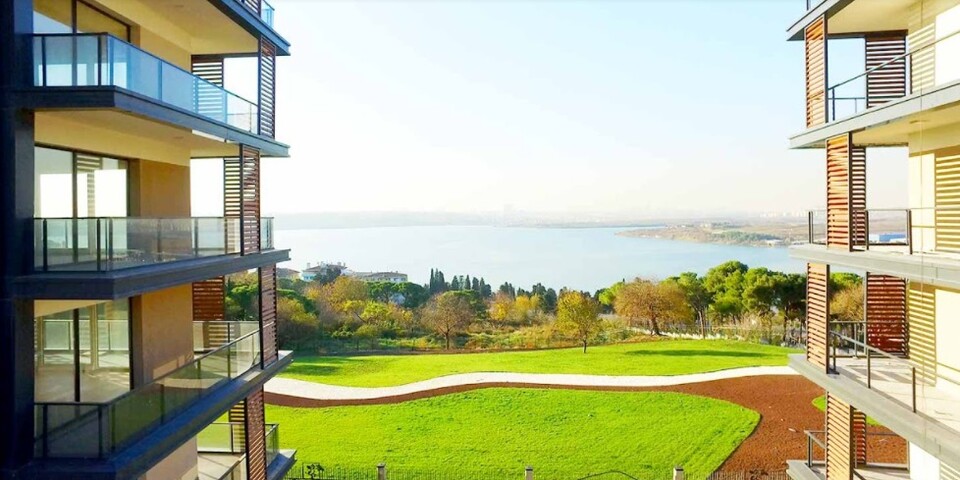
(847, 304)
(578, 315)
(647, 301)
(296, 329)
(448, 314)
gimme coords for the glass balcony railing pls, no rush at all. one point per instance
(100, 59)
(210, 335)
(97, 430)
(112, 243)
(266, 13)
(222, 444)
(904, 231)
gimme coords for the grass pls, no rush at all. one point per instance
(821, 404)
(667, 357)
(495, 433)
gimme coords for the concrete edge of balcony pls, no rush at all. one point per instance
(252, 23)
(111, 97)
(795, 31)
(798, 470)
(281, 464)
(138, 280)
(165, 439)
(935, 438)
(896, 110)
(934, 269)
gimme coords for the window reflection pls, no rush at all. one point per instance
(69, 184)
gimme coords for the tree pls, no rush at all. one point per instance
(645, 300)
(847, 304)
(608, 295)
(448, 314)
(579, 315)
(760, 294)
(296, 329)
(792, 298)
(508, 289)
(698, 298)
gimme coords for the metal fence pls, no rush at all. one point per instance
(316, 471)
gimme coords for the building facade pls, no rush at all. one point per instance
(118, 359)
(899, 365)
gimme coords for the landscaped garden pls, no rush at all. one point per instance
(663, 357)
(495, 433)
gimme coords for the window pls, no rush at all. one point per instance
(83, 354)
(75, 16)
(77, 185)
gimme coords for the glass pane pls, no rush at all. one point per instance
(53, 358)
(88, 60)
(58, 55)
(90, 20)
(104, 368)
(178, 87)
(53, 183)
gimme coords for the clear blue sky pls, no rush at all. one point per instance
(629, 107)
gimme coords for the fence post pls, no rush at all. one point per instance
(529, 473)
(678, 473)
(382, 471)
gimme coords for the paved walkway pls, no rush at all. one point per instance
(321, 391)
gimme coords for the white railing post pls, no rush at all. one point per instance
(678, 473)
(382, 471)
(529, 473)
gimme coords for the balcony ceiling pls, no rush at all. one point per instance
(211, 30)
(898, 132)
(870, 16)
(120, 133)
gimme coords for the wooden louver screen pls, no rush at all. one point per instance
(818, 313)
(947, 196)
(237, 416)
(846, 193)
(268, 313)
(253, 5)
(241, 200)
(268, 63)
(256, 442)
(210, 99)
(886, 81)
(209, 307)
(841, 454)
(921, 326)
(815, 36)
(886, 312)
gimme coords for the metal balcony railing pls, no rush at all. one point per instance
(892, 229)
(225, 438)
(100, 60)
(849, 96)
(101, 244)
(816, 444)
(97, 430)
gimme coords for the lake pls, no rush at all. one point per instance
(580, 258)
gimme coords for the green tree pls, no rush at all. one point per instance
(698, 297)
(579, 315)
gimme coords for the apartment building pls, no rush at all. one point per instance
(117, 359)
(900, 365)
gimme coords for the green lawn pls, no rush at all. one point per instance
(667, 357)
(495, 433)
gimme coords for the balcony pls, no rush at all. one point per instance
(99, 430)
(222, 458)
(102, 60)
(883, 104)
(814, 468)
(103, 244)
(912, 243)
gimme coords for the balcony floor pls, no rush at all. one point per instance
(893, 379)
(213, 466)
(864, 473)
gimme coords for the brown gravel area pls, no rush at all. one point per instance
(783, 402)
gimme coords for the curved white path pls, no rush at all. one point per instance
(322, 391)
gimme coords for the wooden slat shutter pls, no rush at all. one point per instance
(209, 307)
(947, 196)
(886, 312)
(210, 100)
(268, 66)
(241, 200)
(841, 453)
(268, 314)
(846, 193)
(818, 313)
(888, 82)
(815, 36)
(256, 442)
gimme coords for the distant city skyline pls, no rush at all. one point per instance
(571, 107)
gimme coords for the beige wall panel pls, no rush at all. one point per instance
(162, 332)
(921, 325)
(55, 128)
(49, 307)
(947, 330)
(161, 46)
(179, 465)
(922, 199)
(159, 189)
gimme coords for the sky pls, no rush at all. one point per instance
(633, 108)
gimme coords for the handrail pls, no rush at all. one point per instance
(869, 350)
(813, 438)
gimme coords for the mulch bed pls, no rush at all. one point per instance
(783, 402)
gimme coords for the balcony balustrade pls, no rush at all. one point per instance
(103, 244)
(102, 60)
